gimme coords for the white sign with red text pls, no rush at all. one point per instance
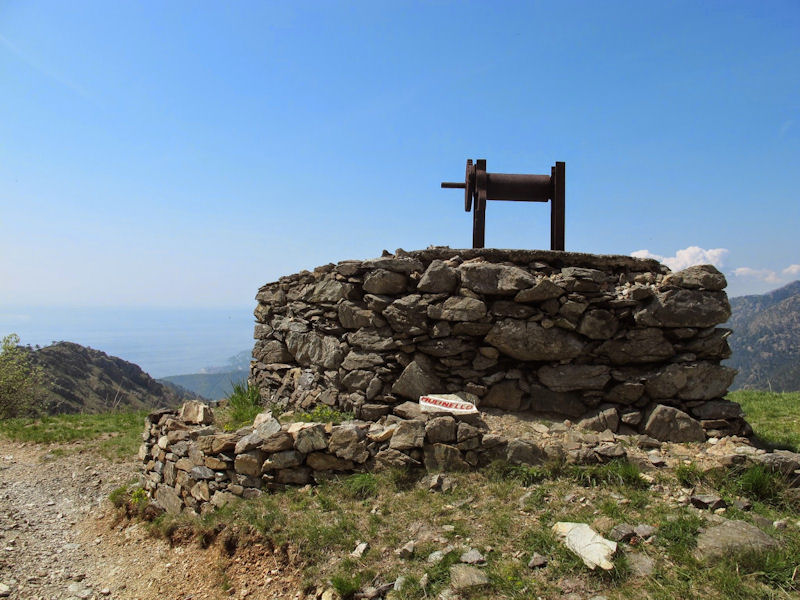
(446, 403)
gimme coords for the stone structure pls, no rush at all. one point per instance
(620, 342)
(619, 345)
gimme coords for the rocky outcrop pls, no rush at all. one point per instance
(574, 334)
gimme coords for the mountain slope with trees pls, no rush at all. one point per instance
(766, 339)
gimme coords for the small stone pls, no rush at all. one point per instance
(622, 533)
(742, 504)
(707, 501)
(537, 561)
(5, 590)
(640, 564)
(407, 551)
(644, 531)
(360, 549)
(473, 557)
(465, 577)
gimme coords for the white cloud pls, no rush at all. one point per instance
(693, 255)
(791, 270)
(767, 275)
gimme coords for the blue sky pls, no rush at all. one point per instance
(184, 153)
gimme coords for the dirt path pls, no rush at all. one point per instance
(60, 539)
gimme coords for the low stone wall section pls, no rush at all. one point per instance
(618, 342)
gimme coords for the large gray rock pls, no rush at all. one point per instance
(310, 438)
(458, 308)
(598, 324)
(506, 395)
(249, 463)
(271, 352)
(666, 383)
(277, 442)
(699, 276)
(638, 346)
(398, 264)
(781, 461)
(438, 278)
(361, 360)
(705, 381)
(394, 459)
(440, 430)
(442, 457)
(717, 409)
(348, 442)
(381, 281)
(523, 452)
(322, 461)
(600, 420)
(416, 381)
(492, 279)
(407, 315)
(525, 340)
(167, 499)
(196, 413)
(544, 290)
(668, 424)
(315, 349)
(731, 537)
(566, 378)
(352, 316)
(685, 308)
(408, 435)
(328, 291)
(282, 460)
(372, 340)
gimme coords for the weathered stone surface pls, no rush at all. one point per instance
(625, 393)
(506, 395)
(668, 424)
(545, 400)
(780, 461)
(598, 324)
(699, 276)
(393, 459)
(408, 315)
(705, 381)
(416, 381)
(314, 349)
(440, 430)
(286, 459)
(443, 457)
(731, 537)
(638, 346)
(566, 378)
(166, 498)
(717, 409)
(466, 577)
(352, 316)
(281, 440)
(493, 279)
(381, 281)
(458, 308)
(296, 476)
(328, 291)
(249, 463)
(666, 383)
(442, 347)
(398, 264)
(685, 308)
(438, 278)
(310, 438)
(224, 442)
(523, 452)
(201, 472)
(544, 290)
(600, 420)
(196, 413)
(271, 351)
(249, 442)
(525, 340)
(200, 491)
(409, 434)
(361, 360)
(321, 461)
(348, 442)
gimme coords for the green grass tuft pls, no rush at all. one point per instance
(243, 405)
(322, 413)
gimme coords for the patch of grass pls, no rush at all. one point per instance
(759, 483)
(243, 405)
(616, 472)
(322, 413)
(348, 578)
(775, 417)
(360, 486)
(679, 536)
(115, 435)
(688, 475)
(500, 470)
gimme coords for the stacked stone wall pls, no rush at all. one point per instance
(617, 342)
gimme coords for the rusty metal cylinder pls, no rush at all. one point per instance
(521, 188)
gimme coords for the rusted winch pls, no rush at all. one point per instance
(480, 186)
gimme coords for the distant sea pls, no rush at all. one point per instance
(161, 341)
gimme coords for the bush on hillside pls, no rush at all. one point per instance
(21, 381)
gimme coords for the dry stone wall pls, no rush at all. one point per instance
(616, 342)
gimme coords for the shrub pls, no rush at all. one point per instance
(324, 414)
(21, 381)
(244, 404)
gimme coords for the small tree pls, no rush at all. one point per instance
(21, 381)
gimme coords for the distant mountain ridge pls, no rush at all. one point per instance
(81, 379)
(766, 339)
